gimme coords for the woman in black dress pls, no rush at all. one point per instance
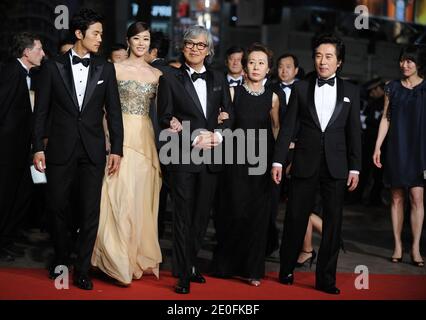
(404, 124)
(244, 203)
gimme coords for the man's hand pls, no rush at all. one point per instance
(39, 161)
(113, 164)
(276, 173)
(175, 125)
(206, 140)
(353, 180)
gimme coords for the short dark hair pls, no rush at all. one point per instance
(83, 20)
(417, 55)
(288, 55)
(234, 49)
(159, 42)
(63, 42)
(22, 41)
(330, 39)
(116, 47)
(257, 47)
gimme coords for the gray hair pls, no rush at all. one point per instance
(196, 30)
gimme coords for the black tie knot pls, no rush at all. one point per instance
(283, 86)
(232, 81)
(84, 61)
(195, 76)
(322, 82)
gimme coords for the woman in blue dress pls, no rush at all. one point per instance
(404, 125)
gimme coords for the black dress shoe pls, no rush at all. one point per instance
(288, 279)
(329, 290)
(182, 287)
(197, 277)
(83, 282)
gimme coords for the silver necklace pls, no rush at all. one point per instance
(252, 92)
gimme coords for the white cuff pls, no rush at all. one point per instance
(277, 164)
(354, 171)
(219, 136)
(39, 152)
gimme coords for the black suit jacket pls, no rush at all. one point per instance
(177, 98)
(342, 136)
(56, 100)
(15, 115)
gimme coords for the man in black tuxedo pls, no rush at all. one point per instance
(194, 94)
(233, 61)
(76, 88)
(15, 134)
(328, 152)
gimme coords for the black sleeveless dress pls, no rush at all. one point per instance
(406, 138)
(243, 214)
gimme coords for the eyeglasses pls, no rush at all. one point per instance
(200, 45)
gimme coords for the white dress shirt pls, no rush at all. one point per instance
(229, 78)
(80, 74)
(200, 86)
(287, 91)
(325, 102)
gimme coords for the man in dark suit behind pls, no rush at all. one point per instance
(328, 152)
(76, 88)
(193, 94)
(15, 134)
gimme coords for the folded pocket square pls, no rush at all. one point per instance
(100, 81)
(346, 99)
(217, 88)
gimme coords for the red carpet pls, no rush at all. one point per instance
(28, 284)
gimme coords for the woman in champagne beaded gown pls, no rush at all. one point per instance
(127, 243)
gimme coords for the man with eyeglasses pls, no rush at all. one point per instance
(193, 94)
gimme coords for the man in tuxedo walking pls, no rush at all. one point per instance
(76, 87)
(196, 94)
(15, 134)
(328, 152)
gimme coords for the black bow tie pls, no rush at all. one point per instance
(84, 61)
(196, 76)
(232, 81)
(322, 82)
(283, 86)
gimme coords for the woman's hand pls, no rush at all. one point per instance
(222, 117)
(175, 125)
(376, 158)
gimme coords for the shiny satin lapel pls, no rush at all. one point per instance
(64, 66)
(311, 101)
(339, 101)
(189, 87)
(92, 81)
(209, 82)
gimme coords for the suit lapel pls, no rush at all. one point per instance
(190, 89)
(95, 71)
(209, 82)
(339, 101)
(64, 66)
(311, 101)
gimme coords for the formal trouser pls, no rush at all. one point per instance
(59, 185)
(301, 200)
(192, 196)
(16, 189)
